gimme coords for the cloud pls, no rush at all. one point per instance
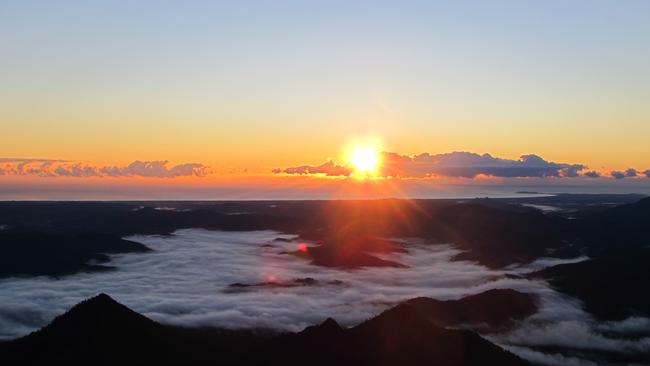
(646, 173)
(592, 174)
(156, 169)
(549, 359)
(76, 170)
(184, 282)
(577, 335)
(629, 173)
(64, 168)
(37, 167)
(455, 164)
(329, 168)
(631, 325)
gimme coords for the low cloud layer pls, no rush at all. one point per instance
(448, 165)
(185, 282)
(64, 168)
(454, 165)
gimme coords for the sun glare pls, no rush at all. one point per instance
(365, 160)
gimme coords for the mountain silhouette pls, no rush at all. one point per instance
(492, 309)
(620, 227)
(402, 336)
(87, 331)
(102, 331)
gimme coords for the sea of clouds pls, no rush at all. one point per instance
(185, 280)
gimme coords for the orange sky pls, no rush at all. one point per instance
(244, 89)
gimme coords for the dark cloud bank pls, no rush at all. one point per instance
(461, 165)
(451, 165)
(455, 164)
(629, 173)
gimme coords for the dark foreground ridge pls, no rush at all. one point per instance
(490, 310)
(104, 332)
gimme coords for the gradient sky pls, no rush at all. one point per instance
(260, 84)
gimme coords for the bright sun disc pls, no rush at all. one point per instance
(365, 160)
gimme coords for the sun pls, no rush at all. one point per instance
(365, 160)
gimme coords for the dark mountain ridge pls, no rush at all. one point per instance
(612, 286)
(108, 333)
(39, 253)
(490, 310)
(348, 232)
(42, 238)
